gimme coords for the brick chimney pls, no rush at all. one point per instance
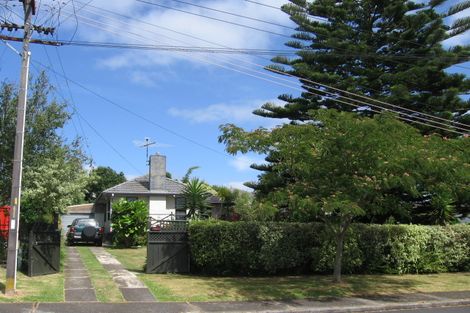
(157, 172)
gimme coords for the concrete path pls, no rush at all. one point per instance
(77, 285)
(131, 287)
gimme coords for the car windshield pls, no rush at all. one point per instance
(83, 222)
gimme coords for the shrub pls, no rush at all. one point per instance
(129, 223)
(247, 248)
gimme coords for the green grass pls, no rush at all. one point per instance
(46, 288)
(173, 287)
(133, 259)
(105, 288)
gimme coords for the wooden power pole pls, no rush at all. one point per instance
(12, 252)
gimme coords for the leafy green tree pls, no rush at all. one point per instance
(345, 167)
(129, 222)
(196, 193)
(101, 179)
(52, 186)
(236, 201)
(249, 209)
(388, 50)
(53, 177)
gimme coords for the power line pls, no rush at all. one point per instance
(132, 112)
(176, 48)
(264, 5)
(201, 39)
(215, 19)
(72, 99)
(90, 125)
(343, 96)
(252, 51)
(234, 14)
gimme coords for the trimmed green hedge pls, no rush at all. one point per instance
(247, 248)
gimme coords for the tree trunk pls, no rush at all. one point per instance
(338, 257)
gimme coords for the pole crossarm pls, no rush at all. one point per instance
(35, 41)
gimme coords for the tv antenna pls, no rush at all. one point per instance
(147, 144)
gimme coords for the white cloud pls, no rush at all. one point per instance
(216, 113)
(243, 162)
(227, 112)
(239, 185)
(175, 28)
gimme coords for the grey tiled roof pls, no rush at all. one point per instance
(140, 185)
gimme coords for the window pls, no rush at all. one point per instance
(131, 199)
(180, 203)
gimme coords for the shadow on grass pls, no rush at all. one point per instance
(319, 288)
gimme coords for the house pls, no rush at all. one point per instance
(163, 195)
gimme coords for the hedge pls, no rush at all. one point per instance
(248, 248)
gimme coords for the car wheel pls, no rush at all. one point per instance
(99, 243)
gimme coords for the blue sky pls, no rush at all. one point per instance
(185, 96)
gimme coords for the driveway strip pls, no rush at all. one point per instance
(131, 287)
(77, 285)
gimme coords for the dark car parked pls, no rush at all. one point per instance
(85, 230)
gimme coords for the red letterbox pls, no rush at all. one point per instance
(4, 221)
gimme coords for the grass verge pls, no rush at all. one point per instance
(46, 288)
(173, 287)
(105, 288)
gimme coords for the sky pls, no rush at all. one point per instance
(119, 97)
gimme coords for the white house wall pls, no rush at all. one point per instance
(161, 206)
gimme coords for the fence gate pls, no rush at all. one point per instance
(40, 253)
(167, 246)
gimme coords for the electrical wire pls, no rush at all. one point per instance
(92, 127)
(373, 100)
(234, 14)
(332, 95)
(176, 48)
(254, 51)
(214, 18)
(201, 39)
(142, 117)
(369, 104)
(264, 5)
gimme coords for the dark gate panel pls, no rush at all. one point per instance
(44, 253)
(41, 252)
(167, 247)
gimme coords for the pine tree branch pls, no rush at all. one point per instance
(435, 3)
(461, 22)
(458, 8)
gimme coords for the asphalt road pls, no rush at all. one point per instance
(462, 309)
(173, 308)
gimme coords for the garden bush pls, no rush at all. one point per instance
(129, 223)
(247, 248)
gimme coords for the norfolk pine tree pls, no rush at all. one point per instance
(375, 48)
(387, 50)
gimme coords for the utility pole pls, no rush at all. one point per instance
(12, 252)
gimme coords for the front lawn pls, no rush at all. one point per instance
(173, 287)
(45, 288)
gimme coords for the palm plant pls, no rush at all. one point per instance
(197, 193)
